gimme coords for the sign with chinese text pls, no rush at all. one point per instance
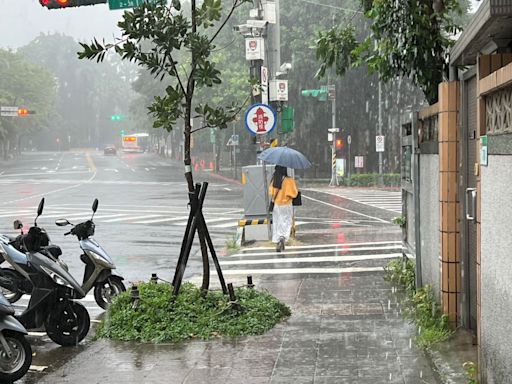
(260, 119)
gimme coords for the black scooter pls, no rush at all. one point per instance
(52, 302)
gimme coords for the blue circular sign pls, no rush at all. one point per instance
(260, 119)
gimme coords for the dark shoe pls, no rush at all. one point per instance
(281, 245)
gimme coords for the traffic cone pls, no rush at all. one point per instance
(212, 167)
(196, 167)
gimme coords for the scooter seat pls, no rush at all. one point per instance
(53, 250)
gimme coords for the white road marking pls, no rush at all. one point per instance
(38, 368)
(344, 209)
(165, 219)
(301, 252)
(312, 259)
(227, 189)
(299, 271)
(111, 170)
(327, 245)
(130, 218)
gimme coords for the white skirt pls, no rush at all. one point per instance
(282, 220)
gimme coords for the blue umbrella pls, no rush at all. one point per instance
(285, 157)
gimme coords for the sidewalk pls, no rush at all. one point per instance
(344, 329)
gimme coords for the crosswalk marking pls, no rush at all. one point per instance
(300, 271)
(387, 200)
(313, 251)
(357, 257)
(312, 259)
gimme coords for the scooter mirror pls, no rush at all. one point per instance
(40, 208)
(62, 222)
(95, 205)
(18, 224)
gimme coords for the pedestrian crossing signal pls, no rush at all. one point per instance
(339, 143)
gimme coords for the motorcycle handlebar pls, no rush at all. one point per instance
(67, 233)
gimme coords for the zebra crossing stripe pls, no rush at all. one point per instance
(296, 271)
(313, 251)
(397, 243)
(312, 259)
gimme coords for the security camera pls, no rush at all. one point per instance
(259, 24)
(243, 29)
(285, 67)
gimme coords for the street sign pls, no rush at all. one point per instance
(278, 90)
(260, 119)
(329, 137)
(359, 162)
(269, 12)
(333, 130)
(8, 111)
(264, 85)
(349, 139)
(332, 92)
(121, 4)
(233, 140)
(254, 48)
(379, 143)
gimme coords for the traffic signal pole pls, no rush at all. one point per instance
(334, 180)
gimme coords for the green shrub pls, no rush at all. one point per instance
(420, 305)
(191, 315)
(371, 179)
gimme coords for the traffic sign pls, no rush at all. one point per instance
(260, 119)
(120, 4)
(359, 162)
(379, 143)
(349, 139)
(233, 140)
(264, 85)
(333, 130)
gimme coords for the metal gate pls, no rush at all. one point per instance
(411, 191)
(468, 190)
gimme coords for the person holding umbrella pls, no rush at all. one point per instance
(282, 190)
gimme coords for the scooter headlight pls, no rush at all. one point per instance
(55, 277)
(100, 260)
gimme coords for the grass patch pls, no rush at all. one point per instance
(192, 315)
(419, 304)
(232, 242)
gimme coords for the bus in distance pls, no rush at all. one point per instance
(135, 142)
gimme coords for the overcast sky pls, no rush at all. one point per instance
(22, 20)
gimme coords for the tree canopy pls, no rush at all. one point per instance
(410, 39)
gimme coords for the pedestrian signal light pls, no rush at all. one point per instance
(339, 143)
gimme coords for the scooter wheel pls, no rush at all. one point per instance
(14, 368)
(106, 291)
(68, 323)
(11, 296)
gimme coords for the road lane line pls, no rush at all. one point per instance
(90, 161)
(318, 259)
(162, 220)
(132, 218)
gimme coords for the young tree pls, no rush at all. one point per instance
(408, 38)
(158, 37)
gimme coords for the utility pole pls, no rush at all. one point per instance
(334, 180)
(380, 131)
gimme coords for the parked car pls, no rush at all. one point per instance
(110, 150)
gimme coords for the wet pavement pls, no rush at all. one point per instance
(346, 325)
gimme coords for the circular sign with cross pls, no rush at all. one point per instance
(260, 119)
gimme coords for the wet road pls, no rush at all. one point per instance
(344, 239)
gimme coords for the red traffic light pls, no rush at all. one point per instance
(339, 143)
(23, 112)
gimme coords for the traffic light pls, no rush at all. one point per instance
(59, 4)
(122, 132)
(339, 144)
(22, 112)
(116, 117)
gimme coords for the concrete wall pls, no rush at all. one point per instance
(429, 213)
(496, 270)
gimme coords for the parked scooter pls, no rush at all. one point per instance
(15, 351)
(98, 263)
(53, 291)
